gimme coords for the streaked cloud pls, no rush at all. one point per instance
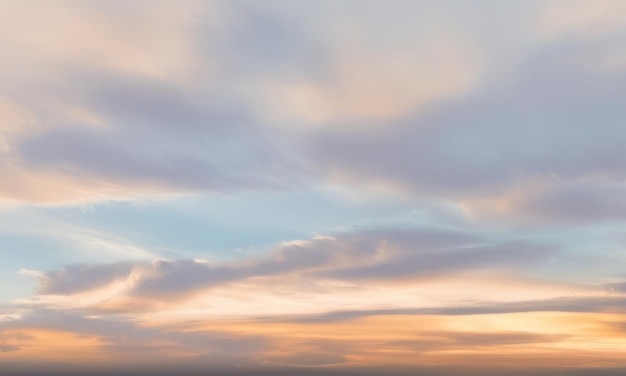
(322, 186)
(385, 256)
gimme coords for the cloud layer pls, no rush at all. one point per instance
(458, 167)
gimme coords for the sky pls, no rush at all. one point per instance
(314, 186)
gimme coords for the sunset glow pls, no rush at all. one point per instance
(275, 187)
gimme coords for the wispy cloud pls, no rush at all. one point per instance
(470, 157)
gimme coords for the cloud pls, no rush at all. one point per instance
(506, 113)
(559, 19)
(186, 161)
(434, 264)
(616, 287)
(182, 98)
(573, 304)
(9, 348)
(556, 124)
(156, 138)
(547, 338)
(131, 38)
(83, 278)
(573, 202)
(137, 113)
(313, 63)
(128, 342)
(393, 337)
(188, 97)
(310, 269)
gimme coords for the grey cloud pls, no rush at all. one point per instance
(619, 287)
(159, 133)
(176, 277)
(375, 254)
(207, 134)
(556, 121)
(432, 264)
(159, 106)
(9, 348)
(75, 278)
(182, 276)
(575, 202)
(163, 135)
(557, 118)
(265, 43)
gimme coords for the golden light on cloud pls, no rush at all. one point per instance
(293, 296)
(47, 345)
(513, 339)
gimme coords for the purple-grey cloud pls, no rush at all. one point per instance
(557, 119)
(557, 122)
(375, 254)
(432, 264)
(75, 278)
(575, 202)
(162, 135)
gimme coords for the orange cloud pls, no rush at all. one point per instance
(47, 345)
(543, 338)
